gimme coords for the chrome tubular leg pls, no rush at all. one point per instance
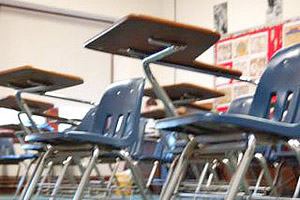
(111, 178)
(23, 178)
(47, 172)
(86, 175)
(297, 189)
(209, 179)
(58, 183)
(169, 176)
(212, 174)
(233, 162)
(37, 175)
(29, 179)
(263, 163)
(241, 170)
(20, 184)
(97, 170)
(261, 175)
(181, 178)
(201, 179)
(135, 172)
(183, 160)
(152, 174)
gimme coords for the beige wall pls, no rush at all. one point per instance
(111, 8)
(55, 42)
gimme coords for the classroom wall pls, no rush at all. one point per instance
(242, 14)
(55, 42)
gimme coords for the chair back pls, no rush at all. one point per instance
(241, 105)
(6, 146)
(277, 94)
(118, 113)
(136, 148)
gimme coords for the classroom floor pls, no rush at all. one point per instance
(10, 197)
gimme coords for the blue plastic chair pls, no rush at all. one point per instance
(241, 105)
(280, 80)
(111, 127)
(7, 153)
(9, 157)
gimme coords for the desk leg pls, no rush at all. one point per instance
(23, 106)
(241, 170)
(159, 92)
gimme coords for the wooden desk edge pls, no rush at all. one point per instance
(29, 67)
(209, 67)
(169, 23)
(166, 87)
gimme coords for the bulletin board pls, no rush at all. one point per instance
(250, 51)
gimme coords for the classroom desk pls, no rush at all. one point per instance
(25, 77)
(186, 92)
(33, 80)
(160, 113)
(163, 42)
(36, 107)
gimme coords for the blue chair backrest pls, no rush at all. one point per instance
(118, 113)
(241, 105)
(86, 122)
(137, 147)
(281, 79)
(6, 146)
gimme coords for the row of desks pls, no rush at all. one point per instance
(29, 77)
(136, 36)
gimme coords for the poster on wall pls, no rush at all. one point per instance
(291, 33)
(248, 52)
(220, 17)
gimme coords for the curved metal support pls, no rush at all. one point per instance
(201, 179)
(159, 92)
(23, 178)
(47, 173)
(86, 175)
(259, 179)
(212, 173)
(182, 162)
(24, 107)
(58, 183)
(36, 175)
(169, 175)
(152, 173)
(233, 163)
(135, 172)
(108, 191)
(242, 169)
(24, 128)
(263, 163)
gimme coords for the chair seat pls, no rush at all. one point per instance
(33, 147)
(71, 138)
(97, 139)
(15, 159)
(50, 138)
(208, 123)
